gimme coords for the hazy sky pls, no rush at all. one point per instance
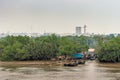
(59, 16)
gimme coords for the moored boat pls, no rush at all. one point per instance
(70, 64)
(81, 61)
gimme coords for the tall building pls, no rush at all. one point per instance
(78, 30)
(85, 29)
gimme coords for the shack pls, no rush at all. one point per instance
(91, 54)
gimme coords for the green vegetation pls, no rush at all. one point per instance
(40, 48)
(109, 51)
(21, 48)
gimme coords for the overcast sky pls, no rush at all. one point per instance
(59, 16)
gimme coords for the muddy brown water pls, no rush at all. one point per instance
(89, 71)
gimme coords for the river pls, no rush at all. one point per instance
(91, 70)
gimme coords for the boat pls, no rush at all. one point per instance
(81, 61)
(92, 58)
(71, 63)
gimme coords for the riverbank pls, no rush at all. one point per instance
(42, 63)
(110, 65)
(29, 63)
(48, 63)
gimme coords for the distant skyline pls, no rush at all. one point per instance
(59, 16)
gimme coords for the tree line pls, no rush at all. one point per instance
(21, 48)
(109, 50)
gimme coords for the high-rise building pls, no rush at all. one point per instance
(78, 30)
(85, 29)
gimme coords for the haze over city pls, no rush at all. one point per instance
(59, 16)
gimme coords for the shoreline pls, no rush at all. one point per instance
(29, 63)
(48, 63)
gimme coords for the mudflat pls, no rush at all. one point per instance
(29, 63)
